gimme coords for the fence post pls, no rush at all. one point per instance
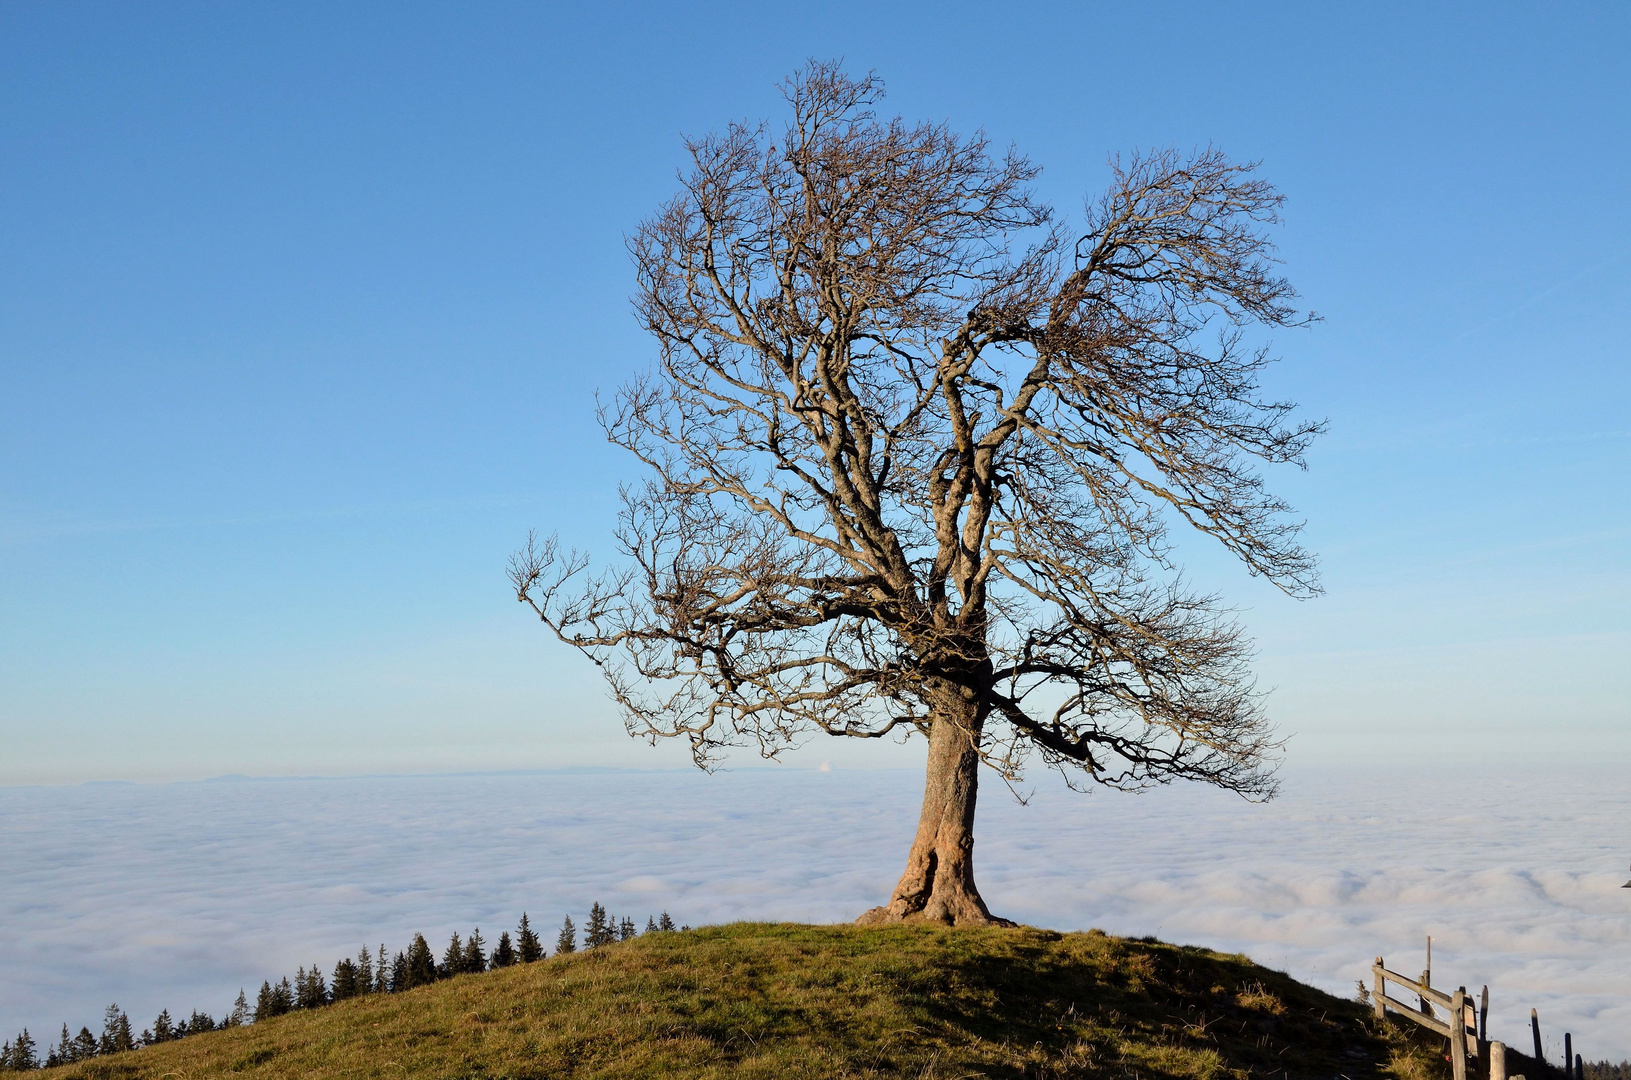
(1381, 989)
(1579, 1067)
(1534, 1029)
(1483, 1013)
(1469, 1026)
(1497, 1061)
(1458, 1035)
(1568, 1055)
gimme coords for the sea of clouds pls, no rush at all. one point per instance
(177, 895)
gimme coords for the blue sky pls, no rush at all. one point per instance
(303, 308)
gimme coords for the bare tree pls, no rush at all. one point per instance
(913, 452)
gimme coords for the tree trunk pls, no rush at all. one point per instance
(938, 885)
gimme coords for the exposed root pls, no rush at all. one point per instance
(903, 911)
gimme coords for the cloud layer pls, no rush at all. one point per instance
(176, 895)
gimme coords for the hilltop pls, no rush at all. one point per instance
(781, 1000)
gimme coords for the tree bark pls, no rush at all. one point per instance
(938, 885)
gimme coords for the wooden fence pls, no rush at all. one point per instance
(1466, 1026)
(1460, 1024)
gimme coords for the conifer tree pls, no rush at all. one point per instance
(527, 946)
(311, 992)
(651, 925)
(421, 964)
(664, 922)
(594, 931)
(381, 982)
(567, 940)
(625, 929)
(452, 959)
(475, 953)
(240, 1014)
(64, 1052)
(19, 1055)
(365, 971)
(164, 1029)
(263, 1003)
(503, 953)
(116, 1034)
(399, 973)
(343, 983)
(283, 997)
(200, 1022)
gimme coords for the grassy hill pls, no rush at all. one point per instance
(766, 1000)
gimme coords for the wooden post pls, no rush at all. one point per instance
(1427, 976)
(1379, 991)
(1469, 1025)
(1579, 1068)
(1497, 1061)
(1534, 1029)
(1458, 1035)
(1568, 1055)
(1483, 1013)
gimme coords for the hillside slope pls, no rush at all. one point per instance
(770, 1000)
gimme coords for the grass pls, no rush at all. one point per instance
(777, 1000)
